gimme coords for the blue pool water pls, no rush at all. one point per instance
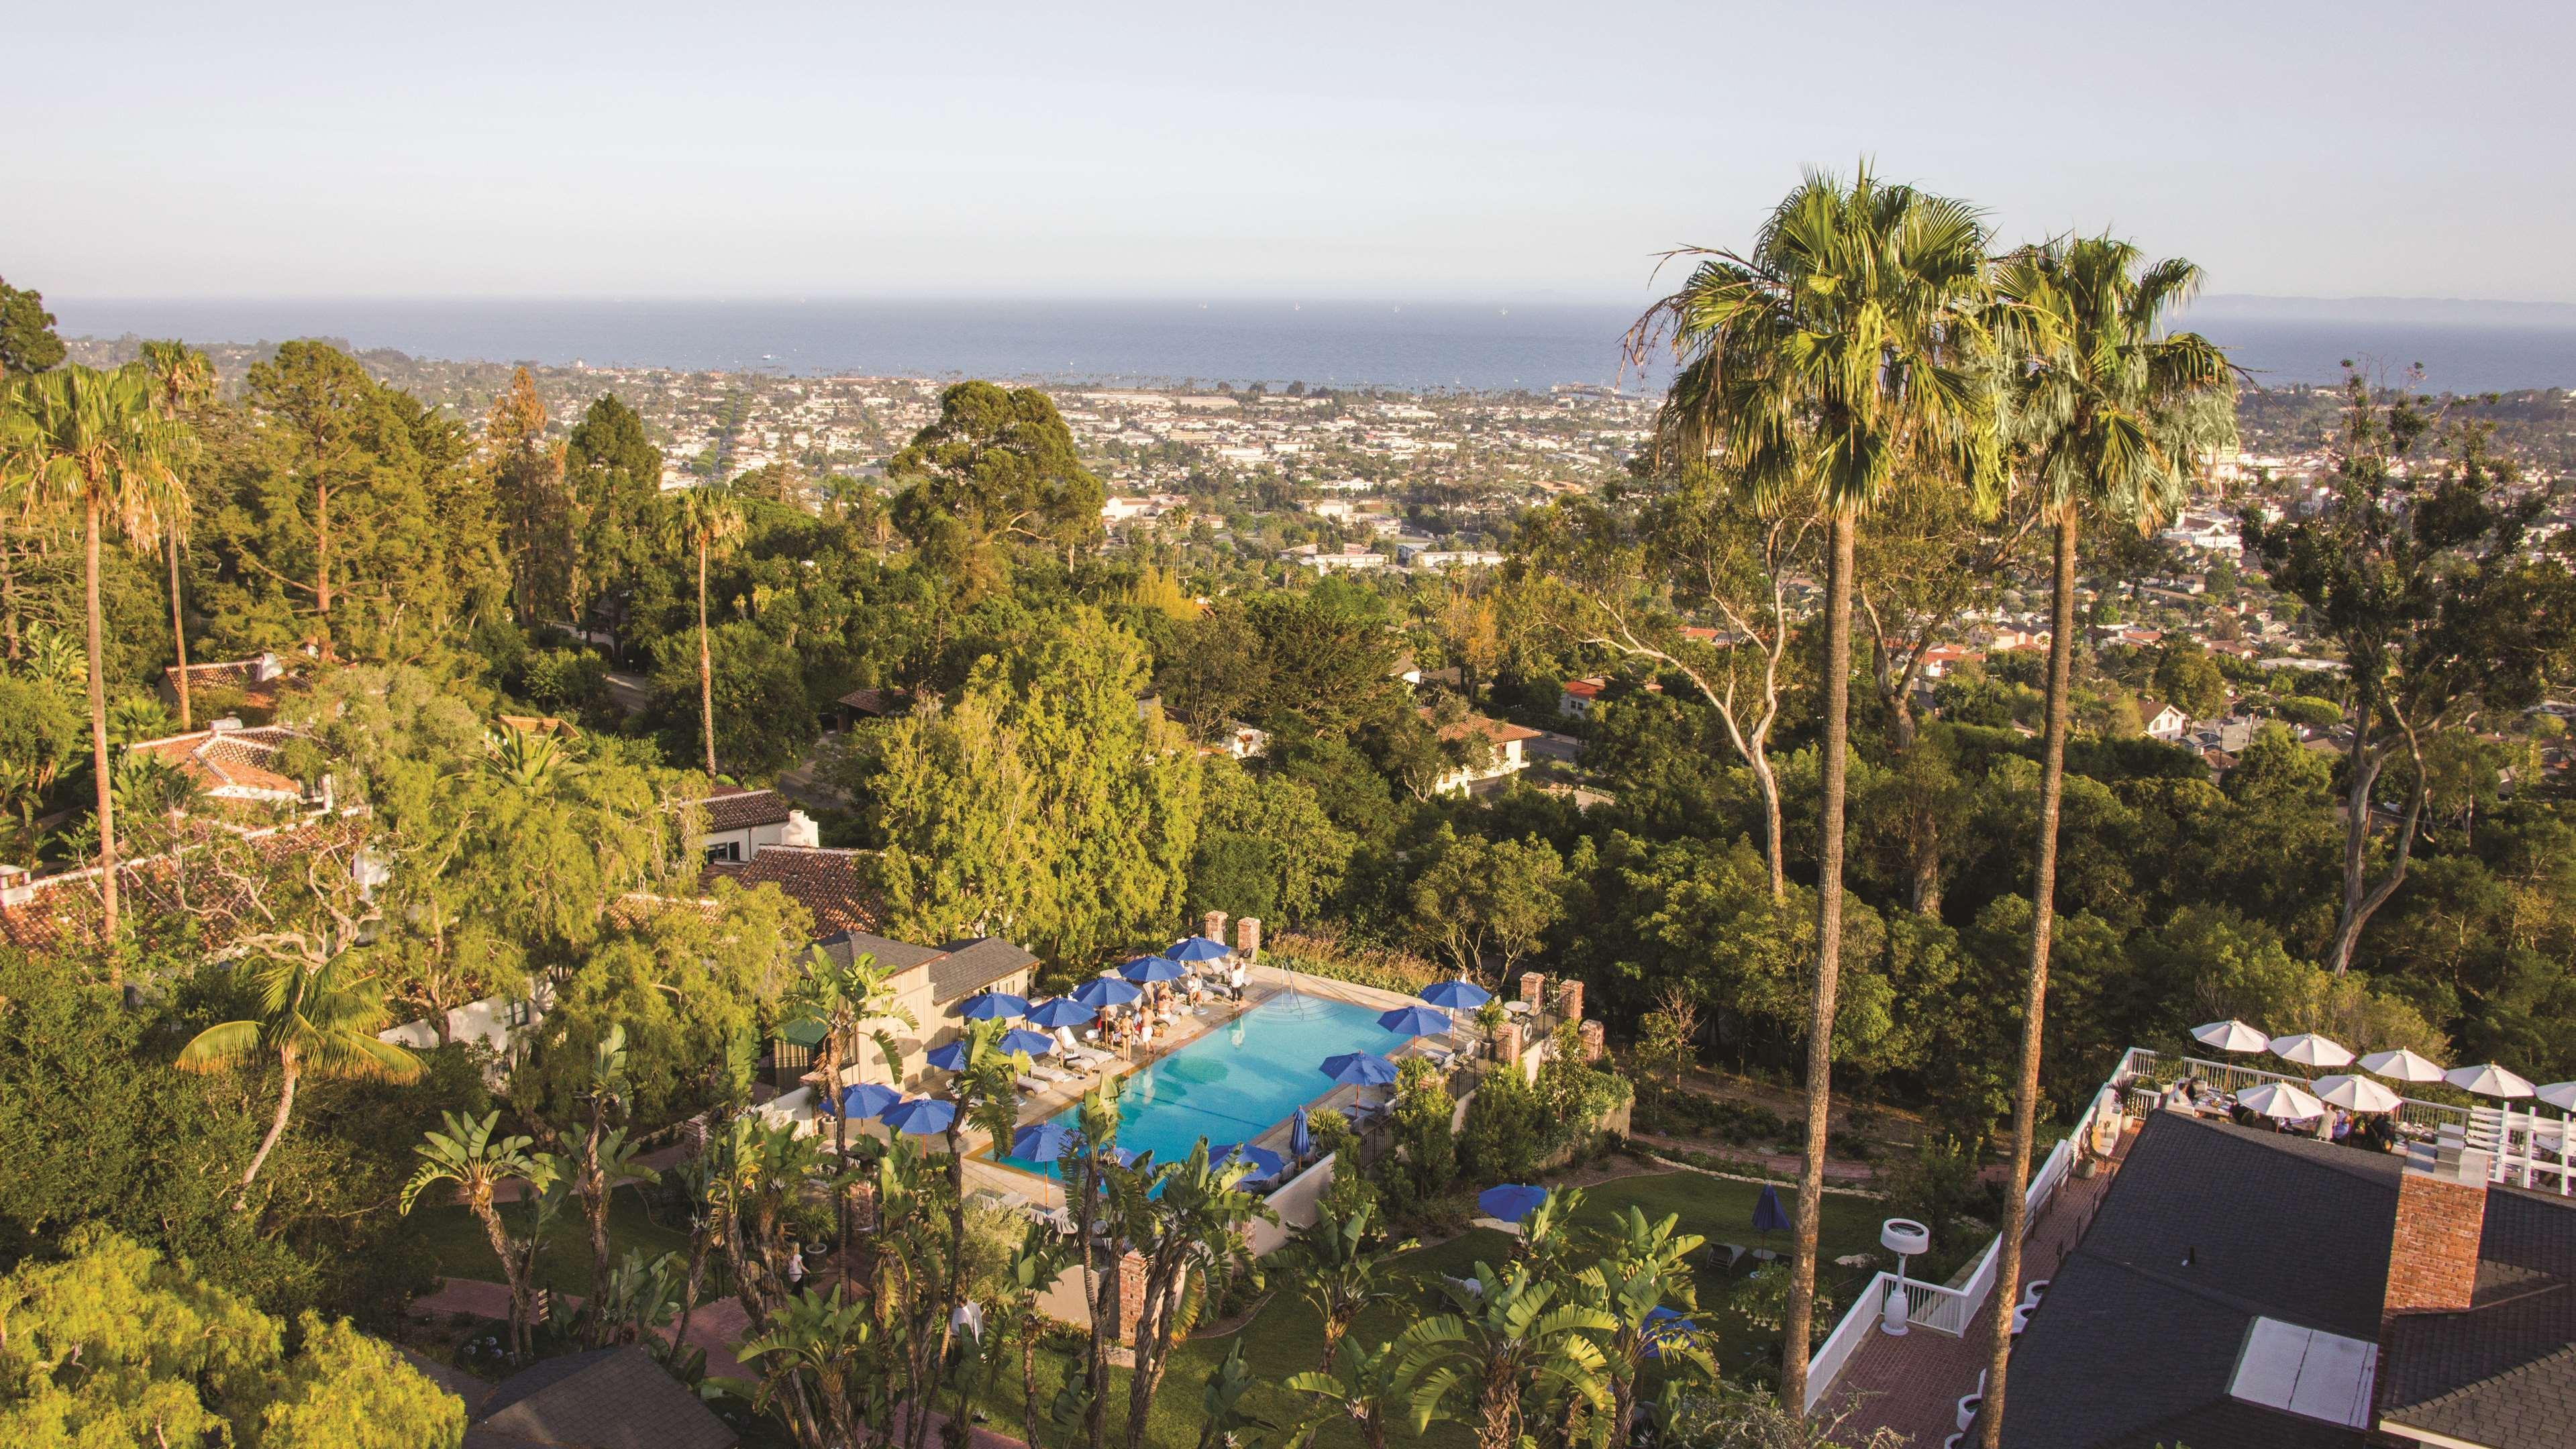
(1238, 1080)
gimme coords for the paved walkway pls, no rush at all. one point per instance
(1784, 1165)
(1912, 1385)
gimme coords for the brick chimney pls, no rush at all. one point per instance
(1533, 989)
(1213, 926)
(1247, 938)
(2441, 1212)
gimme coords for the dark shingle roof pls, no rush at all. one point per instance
(609, 1398)
(731, 809)
(2503, 1373)
(890, 955)
(971, 966)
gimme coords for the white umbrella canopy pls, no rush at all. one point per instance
(2561, 1095)
(2230, 1035)
(2402, 1065)
(2310, 1050)
(2358, 1094)
(2488, 1080)
(2280, 1100)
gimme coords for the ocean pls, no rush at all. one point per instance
(1403, 345)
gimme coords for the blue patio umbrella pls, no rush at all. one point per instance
(950, 1058)
(920, 1116)
(1456, 995)
(1768, 1215)
(994, 1006)
(1041, 1142)
(867, 1099)
(1153, 968)
(1102, 991)
(1415, 1021)
(1301, 1140)
(1667, 1325)
(1197, 948)
(1359, 1069)
(1510, 1202)
(1035, 1043)
(1262, 1161)
(1058, 1011)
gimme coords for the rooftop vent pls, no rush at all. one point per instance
(2307, 1372)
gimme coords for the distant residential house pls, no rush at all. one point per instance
(1348, 559)
(239, 764)
(1243, 742)
(2008, 640)
(2162, 721)
(1575, 697)
(1421, 557)
(1506, 760)
(741, 823)
(1940, 659)
(871, 702)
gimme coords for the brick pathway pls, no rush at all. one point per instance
(1913, 1384)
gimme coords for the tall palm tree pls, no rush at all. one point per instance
(81, 438)
(183, 379)
(2112, 415)
(1839, 356)
(314, 1017)
(706, 521)
(473, 1155)
(1345, 1271)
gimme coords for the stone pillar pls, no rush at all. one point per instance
(863, 1210)
(1533, 989)
(1593, 1044)
(1247, 938)
(1569, 1000)
(1131, 1295)
(1213, 926)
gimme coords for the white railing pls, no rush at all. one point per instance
(2142, 1066)
(1848, 1335)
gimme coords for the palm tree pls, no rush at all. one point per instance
(1041, 1258)
(1840, 355)
(1363, 1385)
(183, 379)
(820, 1358)
(1510, 1338)
(316, 1016)
(473, 1155)
(706, 521)
(843, 998)
(1344, 1270)
(1639, 1267)
(83, 438)
(2111, 414)
(1181, 1217)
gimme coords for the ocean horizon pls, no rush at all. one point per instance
(1416, 346)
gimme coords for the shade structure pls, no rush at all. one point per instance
(994, 1006)
(2281, 1101)
(2231, 1035)
(950, 1058)
(1035, 1043)
(1102, 991)
(2311, 1050)
(867, 1099)
(1668, 1326)
(1042, 1142)
(2402, 1065)
(1153, 968)
(2488, 1080)
(1261, 1161)
(1058, 1011)
(1359, 1069)
(1197, 948)
(1510, 1202)
(920, 1116)
(1415, 1021)
(1456, 995)
(1768, 1215)
(1301, 1138)
(2561, 1095)
(2359, 1094)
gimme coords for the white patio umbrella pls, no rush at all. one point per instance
(2358, 1094)
(2282, 1101)
(2230, 1035)
(2310, 1050)
(2561, 1095)
(2488, 1080)
(2402, 1065)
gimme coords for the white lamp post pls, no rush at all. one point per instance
(1904, 1237)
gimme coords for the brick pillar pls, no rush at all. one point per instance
(1593, 1045)
(2441, 1213)
(1213, 926)
(1569, 1000)
(1507, 1042)
(1247, 938)
(1533, 989)
(863, 1209)
(1131, 1295)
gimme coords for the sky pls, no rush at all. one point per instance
(1499, 150)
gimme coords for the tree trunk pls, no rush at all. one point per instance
(1829, 952)
(2363, 897)
(1029, 1379)
(291, 1070)
(1774, 847)
(2034, 1010)
(514, 1268)
(706, 667)
(179, 634)
(98, 756)
(322, 558)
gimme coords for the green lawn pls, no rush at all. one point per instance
(464, 1252)
(1284, 1337)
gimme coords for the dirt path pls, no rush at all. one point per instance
(1783, 1164)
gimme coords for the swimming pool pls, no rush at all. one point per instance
(1238, 1080)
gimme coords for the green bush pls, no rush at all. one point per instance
(1507, 1133)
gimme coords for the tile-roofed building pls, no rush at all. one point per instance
(254, 683)
(1503, 736)
(831, 885)
(52, 912)
(741, 823)
(608, 1398)
(232, 763)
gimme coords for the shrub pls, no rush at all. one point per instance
(1507, 1132)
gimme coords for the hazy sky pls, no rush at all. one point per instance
(1493, 150)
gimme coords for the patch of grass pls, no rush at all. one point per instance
(453, 1234)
